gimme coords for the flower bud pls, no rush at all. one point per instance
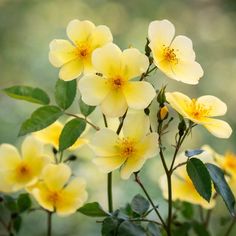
(163, 113)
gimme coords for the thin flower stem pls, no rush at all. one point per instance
(61, 156)
(231, 226)
(105, 120)
(109, 192)
(137, 180)
(201, 214)
(145, 220)
(5, 225)
(179, 165)
(49, 223)
(88, 122)
(121, 123)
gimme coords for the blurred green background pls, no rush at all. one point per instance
(28, 26)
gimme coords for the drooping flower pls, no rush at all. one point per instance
(182, 186)
(19, 171)
(55, 193)
(173, 56)
(75, 58)
(201, 111)
(51, 135)
(129, 150)
(114, 91)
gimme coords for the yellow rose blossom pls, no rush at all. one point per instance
(75, 57)
(19, 171)
(182, 186)
(201, 111)
(173, 56)
(129, 150)
(113, 90)
(51, 134)
(55, 193)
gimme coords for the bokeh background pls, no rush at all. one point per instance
(28, 26)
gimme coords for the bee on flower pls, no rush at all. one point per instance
(75, 57)
(201, 111)
(175, 57)
(21, 170)
(115, 90)
(128, 151)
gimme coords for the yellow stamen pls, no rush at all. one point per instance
(170, 55)
(126, 147)
(83, 50)
(197, 110)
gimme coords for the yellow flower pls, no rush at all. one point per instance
(18, 171)
(55, 193)
(201, 111)
(51, 134)
(173, 56)
(130, 150)
(182, 186)
(75, 57)
(113, 90)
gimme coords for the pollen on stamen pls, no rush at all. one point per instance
(170, 55)
(127, 147)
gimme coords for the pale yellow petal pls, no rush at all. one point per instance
(79, 31)
(179, 102)
(56, 176)
(104, 143)
(100, 36)
(61, 52)
(73, 197)
(132, 164)
(93, 89)
(107, 60)
(134, 120)
(114, 104)
(218, 128)
(161, 32)
(71, 70)
(9, 157)
(134, 63)
(217, 107)
(138, 94)
(51, 134)
(183, 47)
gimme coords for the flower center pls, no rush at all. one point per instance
(83, 51)
(127, 147)
(53, 197)
(197, 110)
(23, 173)
(230, 161)
(117, 82)
(170, 55)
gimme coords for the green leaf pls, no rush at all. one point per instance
(71, 132)
(187, 210)
(128, 228)
(40, 119)
(85, 109)
(109, 226)
(17, 222)
(26, 93)
(200, 177)
(65, 93)
(222, 187)
(191, 153)
(10, 203)
(23, 202)
(139, 204)
(200, 229)
(153, 230)
(93, 209)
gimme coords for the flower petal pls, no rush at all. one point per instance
(218, 108)
(9, 157)
(134, 120)
(139, 94)
(104, 143)
(183, 47)
(56, 176)
(218, 128)
(107, 60)
(114, 104)
(179, 102)
(79, 31)
(93, 89)
(187, 72)
(109, 164)
(71, 70)
(134, 63)
(61, 52)
(161, 33)
(101, 35)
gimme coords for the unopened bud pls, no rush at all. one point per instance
(164, 113)
(182, 127)
(161, 98)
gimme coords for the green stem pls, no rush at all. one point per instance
(109, 192)
(231, 226)
(49, 224)
(61, 157)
